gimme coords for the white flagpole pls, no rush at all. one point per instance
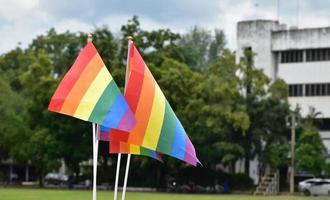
(126, 176)
(117, 176)
(95, 152)
(129, 155)
(95, 145)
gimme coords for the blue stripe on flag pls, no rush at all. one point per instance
(116, 113)
(179, 143)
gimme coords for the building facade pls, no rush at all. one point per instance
(301, 57)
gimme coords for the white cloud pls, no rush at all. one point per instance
(73, 25)
(233, 12)
(22, 20)
(115, 22)
(15, 9)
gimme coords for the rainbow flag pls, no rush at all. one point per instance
(88, 92)
(157, 127)
(122, 147)
(126, 148)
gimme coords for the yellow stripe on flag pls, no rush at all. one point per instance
(134, 149)
(93, 94)
(155, 123)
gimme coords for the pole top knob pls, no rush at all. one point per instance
(89, 38)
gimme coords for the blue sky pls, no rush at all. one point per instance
(22, 20)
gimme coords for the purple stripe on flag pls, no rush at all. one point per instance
(190, 154)
(104, 133)
(128, 120)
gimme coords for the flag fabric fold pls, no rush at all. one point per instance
(157, 127)
(88, 92)
(122, 147)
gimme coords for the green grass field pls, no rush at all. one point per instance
(43, 194)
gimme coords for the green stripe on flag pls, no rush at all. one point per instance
(166, 138)
(144, 151)
(102, 107)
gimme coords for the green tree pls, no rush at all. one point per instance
(12, 64)
(310, 152)
(217, 45)
(217, 112)
(201, 48)
(60, 47)
(277, 154)
(29, 140)
(11, 121)
(267, 107)
(195, 46)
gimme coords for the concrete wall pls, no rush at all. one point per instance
(325, 135)
(320, 103)
(257, 35)
(305, 72)
(301, 39)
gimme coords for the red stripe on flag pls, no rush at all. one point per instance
(114, 147)
(71, 77)
(118, 136)
(135, 82)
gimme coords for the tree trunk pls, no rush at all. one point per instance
(247, 156)
(105, 169)
(77, 171)
(40, 177)
(233, 166)
(247, 164)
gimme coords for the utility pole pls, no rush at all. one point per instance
(292, 122)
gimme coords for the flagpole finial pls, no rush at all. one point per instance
(89, 38)
(129, 37)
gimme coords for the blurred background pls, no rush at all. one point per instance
(242, 76)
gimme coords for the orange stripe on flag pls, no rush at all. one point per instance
(124, 147)
(81, 86)
(143, 110)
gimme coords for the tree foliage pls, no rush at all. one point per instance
(310, 152)
(230, 110)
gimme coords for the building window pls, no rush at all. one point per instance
(317, 55)
(315, 89)
(308, 90)
(292, 56)
(327, 89)
(296, 90)
(324, 123)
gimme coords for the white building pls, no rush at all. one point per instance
(301, 57)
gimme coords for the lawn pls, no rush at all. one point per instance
(43, 194)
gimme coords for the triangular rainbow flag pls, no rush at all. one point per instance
(88, 92)
(157, 127)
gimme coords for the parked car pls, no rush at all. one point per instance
(315, 187)
(56, 179)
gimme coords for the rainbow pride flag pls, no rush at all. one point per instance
(122, 147)
(126, 148)
(157, 127)
(88, 92)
